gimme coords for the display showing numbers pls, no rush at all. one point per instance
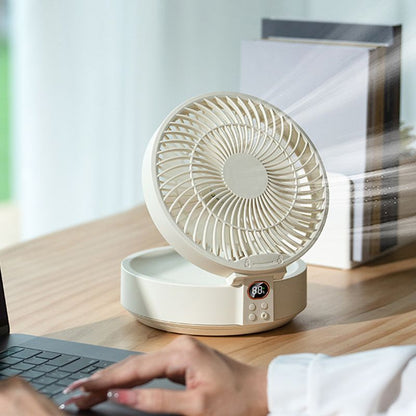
(258, 290)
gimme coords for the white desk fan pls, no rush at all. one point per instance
(239, 191)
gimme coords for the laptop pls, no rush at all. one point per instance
(49, 365)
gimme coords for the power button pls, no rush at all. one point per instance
(252, 317)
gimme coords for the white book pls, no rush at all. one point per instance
(333, 247)
(324, 88)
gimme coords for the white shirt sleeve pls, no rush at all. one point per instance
(377, 382)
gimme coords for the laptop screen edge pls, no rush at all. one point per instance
(4, 318)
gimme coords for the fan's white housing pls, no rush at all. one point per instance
(239, 191)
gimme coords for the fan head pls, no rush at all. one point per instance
(235, 185)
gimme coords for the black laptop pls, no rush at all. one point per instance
(49, 365)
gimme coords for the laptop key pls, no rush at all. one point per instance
(64, 382)
(46, 368)
(26, 353)
(36, 386)
(51, 390)
(12, 350)
(78, 365)
(22, 366)
(4, 366)
(45, 380)
(63, 360)
(35, 361)
(76, 376)
(31, 374)
(103, 364)
(5, 354)
(90, 370)
(10, 372)
(10, 360)
(48, 355)
(58, 374)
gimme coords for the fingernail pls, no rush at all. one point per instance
(113, 395)
(127, 397)
(62, 406)
(75, 385)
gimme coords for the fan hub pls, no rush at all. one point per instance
(245, 175)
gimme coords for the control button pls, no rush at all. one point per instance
(252, 317)
(265, 316)
(252, 307)
(264, 305)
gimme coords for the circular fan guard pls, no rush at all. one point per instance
(236, 185)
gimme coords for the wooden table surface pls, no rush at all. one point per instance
(66, 285)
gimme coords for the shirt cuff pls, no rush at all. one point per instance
(287, 384)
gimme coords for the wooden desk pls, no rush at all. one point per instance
(66, 285)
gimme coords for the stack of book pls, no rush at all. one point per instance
(341, 83)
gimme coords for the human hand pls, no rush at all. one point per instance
(215, 384)
(18, 398)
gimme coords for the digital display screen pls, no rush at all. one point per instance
(258, 290)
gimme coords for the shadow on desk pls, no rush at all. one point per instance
(385, 296)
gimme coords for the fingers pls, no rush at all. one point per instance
(17, 397)
(135, 371)
(173, 362)
(85, 401)
(132, 372)
(159, 400)
(147, 400)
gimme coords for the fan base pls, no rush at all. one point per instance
(211, 330)
(165, 291)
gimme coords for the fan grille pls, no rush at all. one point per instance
(240, 179)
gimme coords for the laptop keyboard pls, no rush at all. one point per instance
(48, 372)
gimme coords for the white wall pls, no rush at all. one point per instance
(92, 79)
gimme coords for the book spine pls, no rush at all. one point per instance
(374, 162)
(339, 32)
(391, 145)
